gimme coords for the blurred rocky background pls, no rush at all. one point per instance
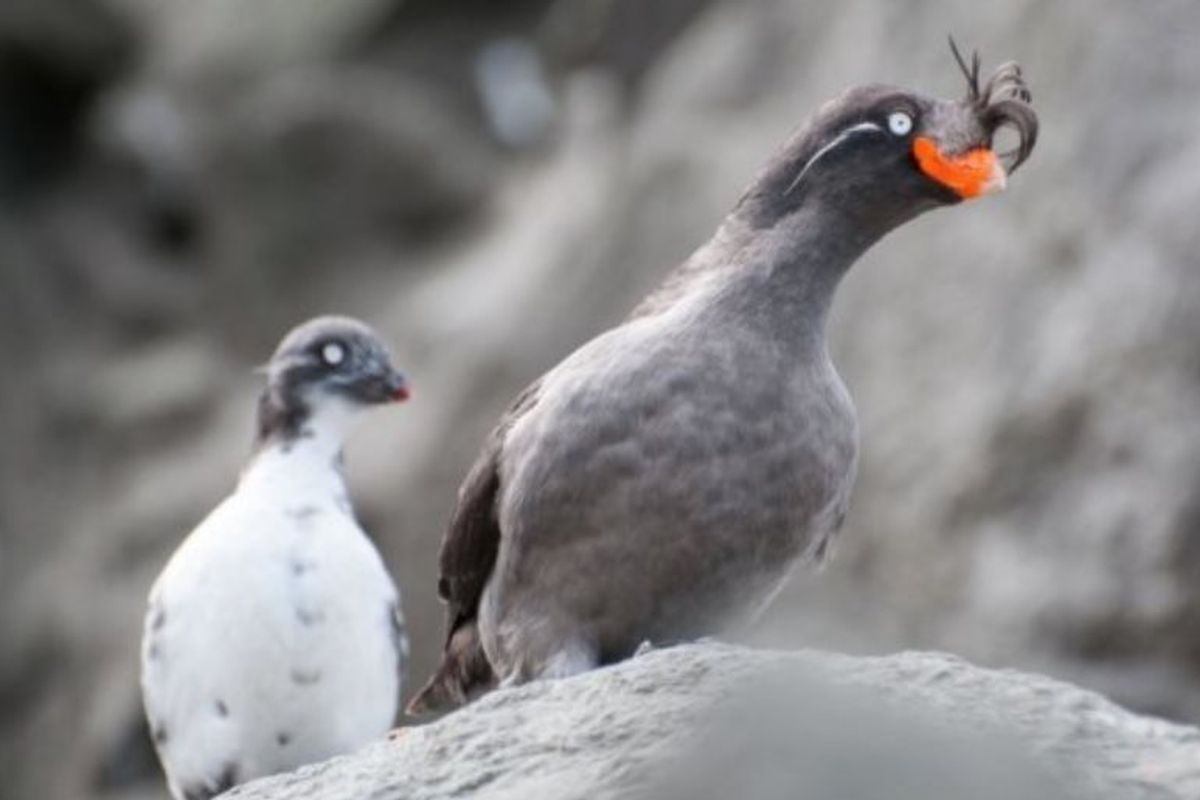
(491, 182)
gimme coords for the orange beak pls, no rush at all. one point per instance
(971, 174)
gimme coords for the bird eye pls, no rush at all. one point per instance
(333, 354)
(899, 123)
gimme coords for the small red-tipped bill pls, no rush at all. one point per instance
(971, 174)
(400, 394)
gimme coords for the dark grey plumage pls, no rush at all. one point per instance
(661, 481)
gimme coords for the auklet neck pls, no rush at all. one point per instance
(782, 280)
(300, 440)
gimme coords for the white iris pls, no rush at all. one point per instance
(333, 353)
(899, 123)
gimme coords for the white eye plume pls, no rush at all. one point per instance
(900, 123)
(853, 130)
(333, 354)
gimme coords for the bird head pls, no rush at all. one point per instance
(882, 155)
(327, 367)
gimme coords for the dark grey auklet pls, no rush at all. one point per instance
(659, 484)
(274, 636)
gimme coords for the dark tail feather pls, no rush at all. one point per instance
(463, 674)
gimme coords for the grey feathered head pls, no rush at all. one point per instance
(879, 155)
(326, 358)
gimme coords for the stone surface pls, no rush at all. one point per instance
(711, 720)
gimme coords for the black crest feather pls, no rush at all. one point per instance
(1004, 100)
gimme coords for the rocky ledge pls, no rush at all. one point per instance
(713, 720)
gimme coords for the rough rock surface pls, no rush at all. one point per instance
(711, 720)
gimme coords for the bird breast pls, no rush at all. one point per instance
(716, 461)
(269, 642)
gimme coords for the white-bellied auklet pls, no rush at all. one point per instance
(274, 636)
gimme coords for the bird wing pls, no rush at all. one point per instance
(467, 559)
(473, 537)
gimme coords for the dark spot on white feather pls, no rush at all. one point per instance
(225, 780)
(158, 618)
(159, 733)
(300, 566)
(222, 709)
(310, 616)
(305, 677)
(303, 513)
(289, 442)
(283, 739)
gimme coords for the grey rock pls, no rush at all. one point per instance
(712, 720)
(206, 40)
(317, 176)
